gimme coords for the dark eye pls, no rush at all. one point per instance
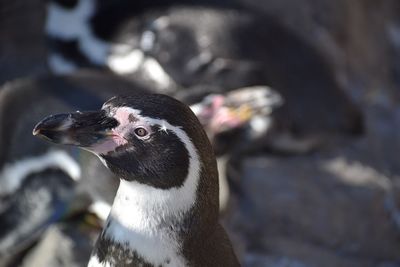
(141, 132)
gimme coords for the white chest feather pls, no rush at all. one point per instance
(137, 217)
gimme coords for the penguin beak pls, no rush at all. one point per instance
(83, 129)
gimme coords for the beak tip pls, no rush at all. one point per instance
(36, 130)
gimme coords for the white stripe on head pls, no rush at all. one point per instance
(157, 74)
(13, 174)
(69, 25)
(138, 209)
(125, 62)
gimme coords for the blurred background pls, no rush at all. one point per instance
(300, 100)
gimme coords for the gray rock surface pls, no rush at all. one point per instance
(335, 207)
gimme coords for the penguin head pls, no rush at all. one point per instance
(151, 139)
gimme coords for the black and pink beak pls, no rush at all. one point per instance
(83, 129)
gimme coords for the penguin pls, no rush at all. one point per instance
(176, 46)
(165, 212)
(239, 118)
(80, 33)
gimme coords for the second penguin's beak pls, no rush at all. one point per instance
(83, 129)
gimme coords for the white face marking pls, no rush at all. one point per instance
(73, 24)
(13, 174)
(60, 65)
(68, 24)
(156, 73)
(139, 209)
(125, 63)
(217, 112)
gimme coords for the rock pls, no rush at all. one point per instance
(260, 260)
(337, 206)
(324, 209)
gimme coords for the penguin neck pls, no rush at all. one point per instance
(145, 210)
(146, 219)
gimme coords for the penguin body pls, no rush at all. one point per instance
(166, 208)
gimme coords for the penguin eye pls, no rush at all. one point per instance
(140, 131)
